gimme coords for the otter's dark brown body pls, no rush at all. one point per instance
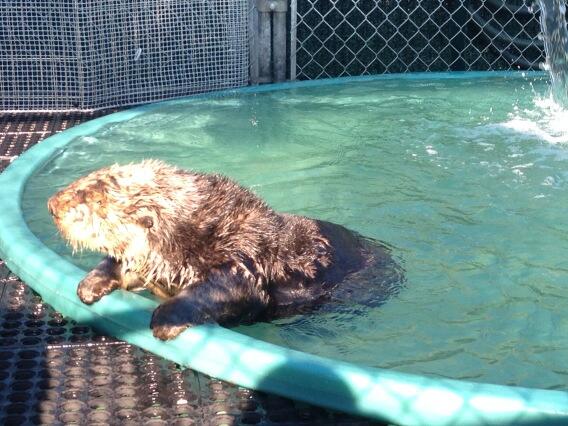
(211, 248)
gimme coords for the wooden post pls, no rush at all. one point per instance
(264, 45)
(253, 43)
(272, 40)
(293, 40)
(279, 40)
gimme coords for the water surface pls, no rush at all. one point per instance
(466, 179)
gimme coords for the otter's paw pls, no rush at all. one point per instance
(94, 286)
(167, 332)
(170, 319)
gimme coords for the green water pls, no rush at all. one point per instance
(466, 180)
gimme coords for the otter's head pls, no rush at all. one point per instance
(114, 210)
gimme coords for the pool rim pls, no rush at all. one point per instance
(381, 394)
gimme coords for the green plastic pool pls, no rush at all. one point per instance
(461, 174)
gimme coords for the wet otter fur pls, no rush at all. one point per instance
(210, 248)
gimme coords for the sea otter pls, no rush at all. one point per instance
(213, 250)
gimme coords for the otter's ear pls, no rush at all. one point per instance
(146, 221)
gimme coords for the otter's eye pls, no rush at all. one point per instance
(146, 222)
(80, 196)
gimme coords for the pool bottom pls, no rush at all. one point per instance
(377, 393)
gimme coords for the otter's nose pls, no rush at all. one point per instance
(52, 206)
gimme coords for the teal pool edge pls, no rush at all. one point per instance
(380, 394)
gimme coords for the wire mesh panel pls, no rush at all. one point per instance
(339, 38)
(90, 54)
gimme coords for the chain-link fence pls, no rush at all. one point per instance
(338, 38)
(91, 54)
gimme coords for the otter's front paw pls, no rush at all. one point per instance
(170, 319)
(167, 332)
(94, 286)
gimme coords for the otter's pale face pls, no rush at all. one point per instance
(90, 214)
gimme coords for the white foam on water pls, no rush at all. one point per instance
(430, 150)
(547, 121)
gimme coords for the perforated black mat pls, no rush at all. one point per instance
(54, 371)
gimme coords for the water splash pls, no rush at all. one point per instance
(555, 38)
(547, 118)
